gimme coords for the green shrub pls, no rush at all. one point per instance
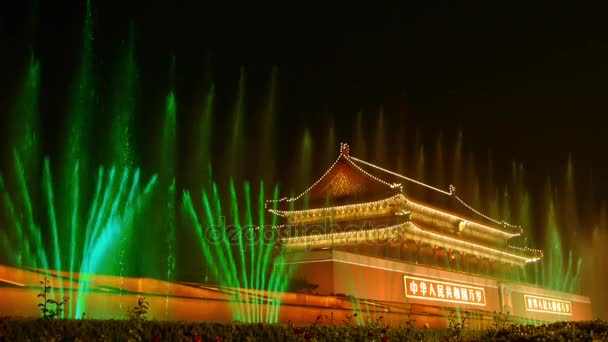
(137, 318)
(12, 329)
(50, 307)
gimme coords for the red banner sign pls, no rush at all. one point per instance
(550, 305)
(430, 289)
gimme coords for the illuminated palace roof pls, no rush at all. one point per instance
(352, 192)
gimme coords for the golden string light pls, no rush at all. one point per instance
(425, 210)
(502, 223)
(451, 192)
(415, 231)
(343, 154)
(474, 245)
(347, 207)
(285, 199)
(398, 175)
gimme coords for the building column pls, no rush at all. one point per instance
(506, 305)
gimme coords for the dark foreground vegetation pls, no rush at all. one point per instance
(131, 330)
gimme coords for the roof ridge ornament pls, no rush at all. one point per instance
(344, 149)
(452, 190)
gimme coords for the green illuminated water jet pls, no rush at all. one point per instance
(267, 166)
(304, 165)
(439, 166)
(330, 146)
(76, 159)
(72, 222)
(117, 201)
(457, 161)
(238, 248)
(26, 137)
(123, 104)
(233, 160)
(112, 216)
(380, 155)
(202, 167)
(360, 144)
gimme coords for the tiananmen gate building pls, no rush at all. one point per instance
(361, 231)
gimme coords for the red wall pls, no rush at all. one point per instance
(338, 272)
(379, 290)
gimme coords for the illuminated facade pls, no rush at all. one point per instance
(367, 232)
(369, 244)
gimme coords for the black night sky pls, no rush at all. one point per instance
(527, 83)
(523, 83)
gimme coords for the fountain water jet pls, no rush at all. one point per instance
(238, 252)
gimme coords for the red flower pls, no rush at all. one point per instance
(198, 339)
(385, 339)
(298, 331)
(218, 339)
(155, 338)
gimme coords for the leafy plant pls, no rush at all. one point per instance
(501, 320)
(456, 326)
(120, 330)
(50, 307)
(4, 329)
(137, 317)
(350, 320)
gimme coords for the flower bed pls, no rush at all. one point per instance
(111, 330)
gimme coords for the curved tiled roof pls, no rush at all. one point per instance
(351, 180)
(442, 200)
(343, 183)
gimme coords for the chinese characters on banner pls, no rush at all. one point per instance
(550, 305)
(443, 291)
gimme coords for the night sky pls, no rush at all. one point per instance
(526, 83)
